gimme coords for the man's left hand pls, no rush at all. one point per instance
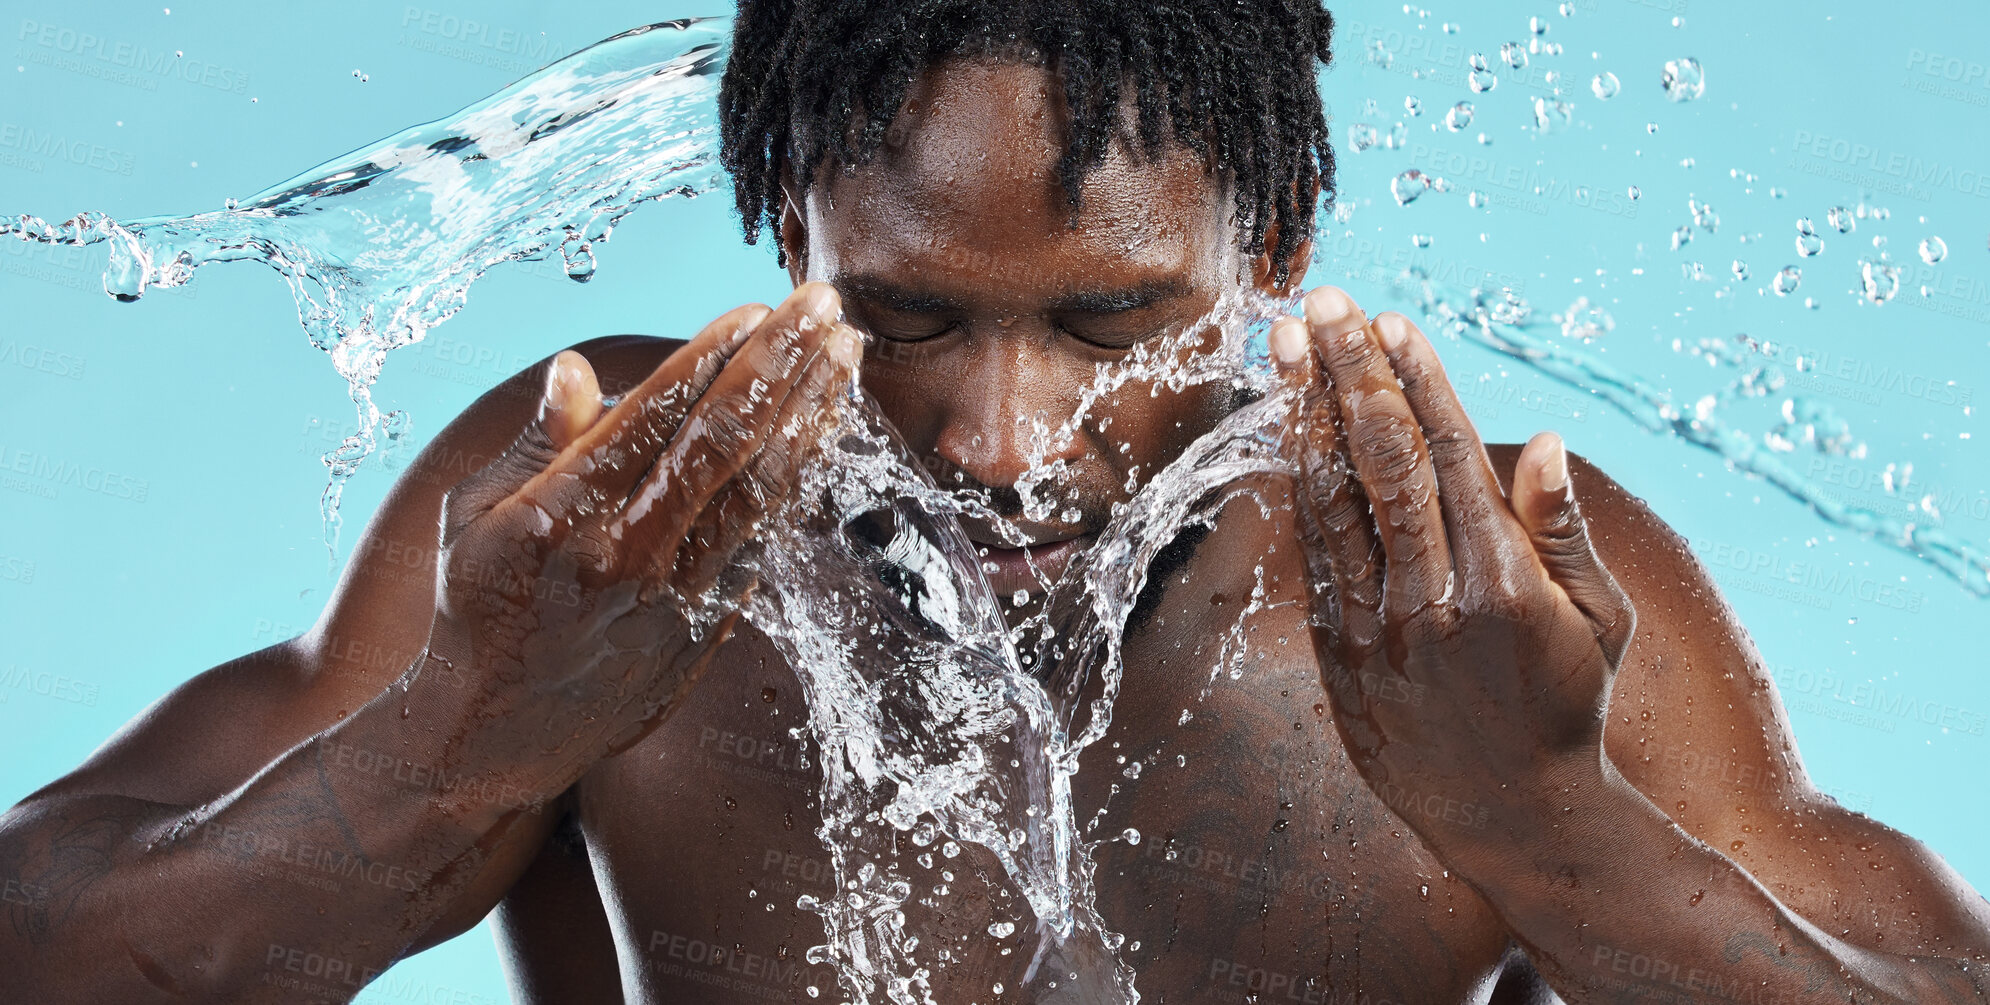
(1467, 636)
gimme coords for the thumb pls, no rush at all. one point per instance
(569, 404)
(1544, 500)
(572, 401)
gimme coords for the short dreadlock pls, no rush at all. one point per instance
(810, 80)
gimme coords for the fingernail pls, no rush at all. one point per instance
(1288, 341)
(846, 348)
(1327, 305)
(561, 376)
(1393, 330)
(1555, 469)
(822, 304)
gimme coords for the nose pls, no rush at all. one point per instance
(987, 431)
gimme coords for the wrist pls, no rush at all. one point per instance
(443, 743)
(1570, 811)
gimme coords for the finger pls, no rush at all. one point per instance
(608, 460)
(1544, 500)
(1344, 561)
(572, 401)
(569, 403)
(1485, 538)
(724, 430)
(735, 514)
(1386, 447)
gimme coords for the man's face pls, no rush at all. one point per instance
(992, 315)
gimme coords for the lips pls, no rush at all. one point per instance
(1009, 569)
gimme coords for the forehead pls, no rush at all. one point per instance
(966, 184)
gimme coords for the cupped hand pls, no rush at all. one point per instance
(1491, 610)
(582, 579)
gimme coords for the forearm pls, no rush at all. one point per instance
(1615, 902)
(346, 849)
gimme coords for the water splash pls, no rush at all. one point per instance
(1477, 316)
(382, 244)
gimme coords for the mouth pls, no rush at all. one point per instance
(1015, 570)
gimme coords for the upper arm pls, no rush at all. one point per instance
(214, 732)
(1696, 725)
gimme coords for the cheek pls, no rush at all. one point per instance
(892, 377)
(1152, 429)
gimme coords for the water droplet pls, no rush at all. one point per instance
(1841, 220)
(1380, 55)
(1482, 81)
(1586, 321)
(1362, 136)
(1514, 54)
(1933, 250)
(1478, 61)
(1477, 199)
(1740, 270)
(1130, 835)
(1420, 240)
(1409, 186)
(1684, 79)
(1809, 244)
(1001, 930)
(1704, 216)
(1788, 280)
(1412, 106)
(1537, 25)
(1682, 237)
(1880, 280)
(1551, 115)
(1021, 598)
(1568, 9)
(1605, 86)
(1635, 193)
(1459, 116)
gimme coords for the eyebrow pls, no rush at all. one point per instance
(886, 293)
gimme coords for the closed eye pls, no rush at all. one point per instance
(910, 333)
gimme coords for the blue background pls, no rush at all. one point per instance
(210, 408)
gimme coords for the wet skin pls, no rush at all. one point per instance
(1490, 704)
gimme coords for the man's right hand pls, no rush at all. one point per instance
(579, 585)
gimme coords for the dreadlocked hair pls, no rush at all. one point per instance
(1233, 80)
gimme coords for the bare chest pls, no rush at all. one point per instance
(1236, 849)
